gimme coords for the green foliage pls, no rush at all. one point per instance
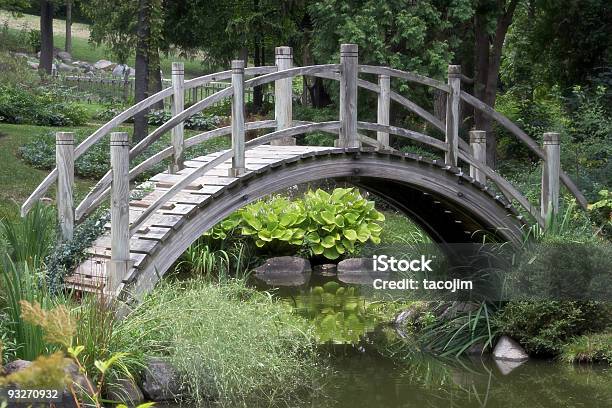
(29, 239)
(543, 327)
(216, 265)
(231, 344)
(34, 40)
(44, 107)
(601, 213)
(199, 121)
(95, 162)
(455, 335)
(321, 223)
(591, 348)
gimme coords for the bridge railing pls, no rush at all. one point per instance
(285, 129)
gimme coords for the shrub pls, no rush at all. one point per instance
(44, 108)
(199, 121)
(543, 327)
(590, 348)
(321, 223)
(229, 343)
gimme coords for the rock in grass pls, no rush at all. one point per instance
(284, 265)
(161, 381)
(509, 350)
(15, 366)
(126, 391)
(64, 56)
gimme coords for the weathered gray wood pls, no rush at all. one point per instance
(478, 143)
(349, 55)
(452, 114)
(384, 103)
(311, 70)
(178, 104)
(533, 146)
(549, 202)
(120, 196)
(64, 158)
(409, 134)
(238, 136)
(283, 95)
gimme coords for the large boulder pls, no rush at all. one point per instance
(15, 366)
(104, 65)
(120, 70)
(126, 391)
(509, 350)
(284, 265)
(65, 67)
(64, 56)
(356, 265)
(161, 381)
(359, 271)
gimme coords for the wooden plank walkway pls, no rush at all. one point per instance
(91, 275)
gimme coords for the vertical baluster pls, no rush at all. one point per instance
(119, 264)
(178, 105)
(551, 168)
(238, 161)
(478, 143)
(64, 157)
(452, 114)
(349, 54)
(384, 103)
(283, 109)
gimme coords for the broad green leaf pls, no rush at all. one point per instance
(350, 234)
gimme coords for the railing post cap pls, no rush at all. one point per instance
(64, 137)
(283, 52)
(178, 66)
(349, 50)
(478, 136)
(552, 138)
(118, 138)
(237, 65)
(454, 70)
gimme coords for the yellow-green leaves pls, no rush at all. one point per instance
(321, 223)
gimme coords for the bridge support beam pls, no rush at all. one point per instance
(478, 143)
(178, 105)
(452, 114)
(283, 96)
(349, 55)
(64, 157)
(118, 266)
(549, 202)
(384, 103)
(238, 138)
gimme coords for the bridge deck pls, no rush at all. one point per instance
(91, 275)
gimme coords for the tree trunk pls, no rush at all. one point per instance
(46, 36)
(142, 68)
(155, 76)
(488, 54)
(258, 90)
(68, 43)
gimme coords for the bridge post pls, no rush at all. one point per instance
(238, 160)
(478, 143)
(283, 96)
(452, 114)
(384, 103)
(551, 169)
(118, 266)
(349, 54)
(64, 158)
(178, 105)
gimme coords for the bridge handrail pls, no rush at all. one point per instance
(523, 137)
(105, 129)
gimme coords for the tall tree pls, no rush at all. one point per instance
(46, 36)
(68, 43)
(491, 22)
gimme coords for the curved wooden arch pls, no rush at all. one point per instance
(447, 189)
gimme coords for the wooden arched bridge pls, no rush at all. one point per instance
(146, 236)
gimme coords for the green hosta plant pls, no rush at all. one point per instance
(321, 223)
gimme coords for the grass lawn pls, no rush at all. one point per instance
(17, 179)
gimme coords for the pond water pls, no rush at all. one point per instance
(374, 367)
